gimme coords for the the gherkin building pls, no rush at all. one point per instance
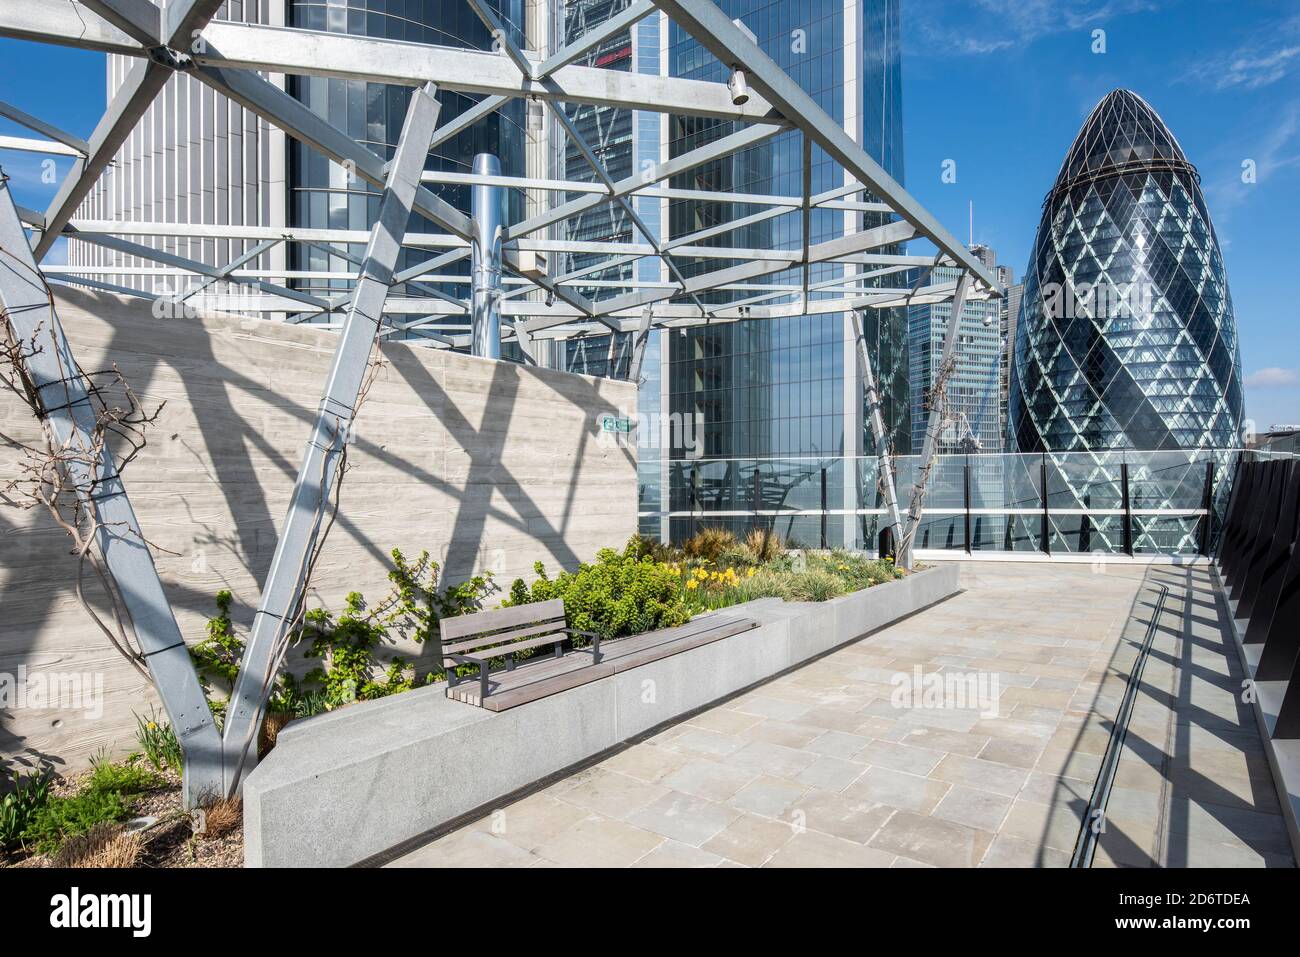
(1126, 338)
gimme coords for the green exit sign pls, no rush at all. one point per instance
(614, 423)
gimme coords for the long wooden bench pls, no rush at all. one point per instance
(470, 638)
(481, 637)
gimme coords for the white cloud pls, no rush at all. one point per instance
(1278, 150)
(976, 27)
(1256, 63)
(1272, 377)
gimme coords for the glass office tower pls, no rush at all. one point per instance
(1126, 337)
(623, 140)
(321, 194)
(1126, 341)
(765, 389)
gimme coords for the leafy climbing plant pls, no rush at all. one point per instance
(347, 643)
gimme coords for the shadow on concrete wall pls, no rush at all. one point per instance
(250, 542)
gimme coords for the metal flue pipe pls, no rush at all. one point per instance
(487, 211)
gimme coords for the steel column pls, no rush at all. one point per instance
(935, 419)
(885, 463)
(71, 421)
(316, 476)
(487, 210)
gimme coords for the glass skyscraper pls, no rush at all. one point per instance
(787, 387)
(973, 410)
(1126, 337)
(321, 193)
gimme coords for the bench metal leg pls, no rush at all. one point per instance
(482, 681)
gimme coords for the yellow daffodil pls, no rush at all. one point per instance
(692, 585)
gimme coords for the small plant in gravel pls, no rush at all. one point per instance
(29, 793)
(105, 797)
(158, 742)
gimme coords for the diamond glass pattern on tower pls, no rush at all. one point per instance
(1126, 337)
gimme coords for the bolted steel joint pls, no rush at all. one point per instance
(172, 59)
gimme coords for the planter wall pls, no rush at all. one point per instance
(355, 783)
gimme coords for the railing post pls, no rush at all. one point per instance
(758, 495)
(966, 499)
(1046, 543)
(825, 540)
(1207, 503)
(1128, 509)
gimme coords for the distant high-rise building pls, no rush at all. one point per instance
(1008, 313)
(1126, 337)
(789, 387)
(623, 140)
(973, 419)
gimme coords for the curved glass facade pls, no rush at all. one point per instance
(321, 195)
(1126, 337)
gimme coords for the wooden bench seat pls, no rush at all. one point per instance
(508, 689)
(482, 637)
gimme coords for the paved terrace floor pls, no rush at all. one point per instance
(819, 768)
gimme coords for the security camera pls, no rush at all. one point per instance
(738, 86)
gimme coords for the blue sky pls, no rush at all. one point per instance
(1001, 87)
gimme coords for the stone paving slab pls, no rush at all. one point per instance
(821, 767)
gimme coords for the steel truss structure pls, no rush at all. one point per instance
(536, 301)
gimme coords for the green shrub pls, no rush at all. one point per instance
(616, 595)
(347, 644)
(158, 742)
(29, 793)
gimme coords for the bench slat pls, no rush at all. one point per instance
(500, 638)
(494, 652)
(477, 622)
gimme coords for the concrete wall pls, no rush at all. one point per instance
(487, 465)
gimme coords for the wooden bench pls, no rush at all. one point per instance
(482, 636)
(501, 690)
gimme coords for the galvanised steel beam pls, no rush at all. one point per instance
(316, 476)
(289, 114)
(315, 53)
(45, 129)
(191, 265)
(937, 402)
(885, 463)
(64, 23)
(593, 38)
(733, 142)
(706, 22)
(141, 20)
(71, 420)
(26, 144)
(225, 271)
(821, 252)
(639, 344)
(142, 85)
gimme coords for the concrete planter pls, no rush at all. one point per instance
(349, 785)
